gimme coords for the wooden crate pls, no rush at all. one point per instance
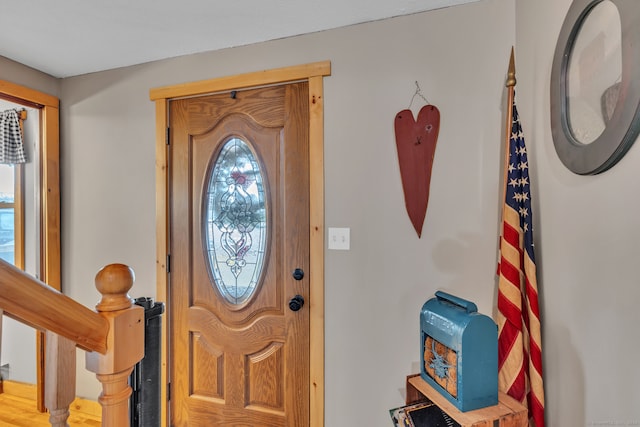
(507, 413)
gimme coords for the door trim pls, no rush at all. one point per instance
(313, 73)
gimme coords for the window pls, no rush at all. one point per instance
(11, 224)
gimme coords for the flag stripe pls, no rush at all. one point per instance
(509, 310)
(517, 388)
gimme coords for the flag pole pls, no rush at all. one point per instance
(511, 83)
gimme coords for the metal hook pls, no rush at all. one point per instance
(418, 92)
(233, 94)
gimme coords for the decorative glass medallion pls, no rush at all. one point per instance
(235, 221)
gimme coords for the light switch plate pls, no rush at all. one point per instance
(339, 238)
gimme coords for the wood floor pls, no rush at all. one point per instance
(18, 408)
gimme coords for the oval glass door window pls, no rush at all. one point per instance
(235, 221)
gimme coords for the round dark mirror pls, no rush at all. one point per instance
(594, 72)
(595, 85)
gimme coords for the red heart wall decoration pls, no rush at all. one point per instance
(416, 144)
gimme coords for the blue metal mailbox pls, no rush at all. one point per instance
(459, 352)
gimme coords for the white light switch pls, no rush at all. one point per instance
(339, 238)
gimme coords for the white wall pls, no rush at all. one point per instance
(374, 292)
(587, 235)
(586, 227)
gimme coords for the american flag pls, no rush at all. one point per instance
(518, 317)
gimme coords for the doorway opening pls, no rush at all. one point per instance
(37, 212)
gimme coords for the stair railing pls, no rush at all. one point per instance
(113, 337)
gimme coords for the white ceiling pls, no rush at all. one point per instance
(72, 37)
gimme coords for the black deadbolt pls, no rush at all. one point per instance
(298, 274)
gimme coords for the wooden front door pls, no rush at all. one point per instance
(239, 247)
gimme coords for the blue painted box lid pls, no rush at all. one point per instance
(459, 351)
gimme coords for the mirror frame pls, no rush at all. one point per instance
(624, 126)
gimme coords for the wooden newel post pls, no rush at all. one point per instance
(125, 343)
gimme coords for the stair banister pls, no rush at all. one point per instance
(60, 378)
(113, 338)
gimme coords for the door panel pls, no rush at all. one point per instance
(244, 364)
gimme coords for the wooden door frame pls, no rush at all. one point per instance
(49, 147)
(312, 73)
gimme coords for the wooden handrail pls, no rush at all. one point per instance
(32, 302)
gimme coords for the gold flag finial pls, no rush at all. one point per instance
(511, 76)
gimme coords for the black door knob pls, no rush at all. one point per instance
(298, 274)
(296, 303)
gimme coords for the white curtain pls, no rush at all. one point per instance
(11, 145)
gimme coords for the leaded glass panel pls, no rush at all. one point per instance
(235, 221)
